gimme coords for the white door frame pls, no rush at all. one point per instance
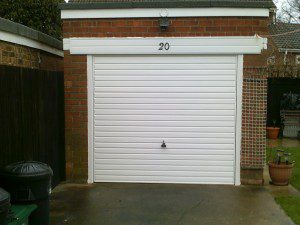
(85, 46)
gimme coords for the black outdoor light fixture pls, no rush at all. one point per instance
(164, 20)
(164, 23)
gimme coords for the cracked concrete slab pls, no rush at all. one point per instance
(164, 204)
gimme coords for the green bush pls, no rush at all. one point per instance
(41, 15)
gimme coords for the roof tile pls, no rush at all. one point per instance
(286, 35)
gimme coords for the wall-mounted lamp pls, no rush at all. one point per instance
(164, 23)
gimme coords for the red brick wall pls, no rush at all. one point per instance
(212, 26)
(254, 94)
(23, 56)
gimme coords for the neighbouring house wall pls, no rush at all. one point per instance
(254, 82)
(22, 56)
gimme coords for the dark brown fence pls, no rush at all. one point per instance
(32, 118)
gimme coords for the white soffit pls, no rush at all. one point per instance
(166, 46)
(156, 12)
(20, 40)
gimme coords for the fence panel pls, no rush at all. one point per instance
(32, 118)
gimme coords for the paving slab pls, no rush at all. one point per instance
(164, 204)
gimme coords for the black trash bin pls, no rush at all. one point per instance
(4, 206)
(29, 183)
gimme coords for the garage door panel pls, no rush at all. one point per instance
(168, 151)
(164, 179)
(187, 101)
(155, 145)
(165, 83)
(163, 173)
(195, 96)
(162, 118)
(163, 129)
(166, 106)
(159, 134)
(165, 168)
(163, 60)
(166, 78)
(198, 140)
(166, 66)
(161, 101)
(165, 123)
(142, 72)
(183, 112)
(166, 89)
(168, 162)
(164, 156)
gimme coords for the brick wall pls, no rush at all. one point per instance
(23, 56)
(254, 93)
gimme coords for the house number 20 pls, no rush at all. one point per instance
(164, 46)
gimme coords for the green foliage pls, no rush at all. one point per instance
(41, 15)
(291, 205)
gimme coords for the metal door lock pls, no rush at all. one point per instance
(163, 145)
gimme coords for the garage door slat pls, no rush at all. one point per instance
(165, 168)
(163, 60)
(198, 140)
(168, 151)
(166, 66)
(121, 95)
(142, 72)
(166, 90)
(166, 78)
(164, 179)
(174, 134)
(164, 162)
(162, 118)
(163, 129)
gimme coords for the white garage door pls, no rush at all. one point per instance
(189, 102)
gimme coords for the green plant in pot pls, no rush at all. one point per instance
(281, 168)
(272, 132)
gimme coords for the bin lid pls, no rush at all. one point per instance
(30, 169)
(4, 197)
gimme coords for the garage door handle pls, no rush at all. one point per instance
(163, 145)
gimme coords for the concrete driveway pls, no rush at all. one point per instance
(164, 204)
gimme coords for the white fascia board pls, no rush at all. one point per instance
(157, 12)
(66, 44)
(20, 40)
(183, 45)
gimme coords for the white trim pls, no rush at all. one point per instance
(66, 44)
(238, 124)
(184, 45)
(20, 40)
(90, 84)
(157, 12)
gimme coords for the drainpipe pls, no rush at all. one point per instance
(285, 55)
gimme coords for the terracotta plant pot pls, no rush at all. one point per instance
(280, 174)
(272, 132)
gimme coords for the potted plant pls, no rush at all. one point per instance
(281, 168)
(272, 132)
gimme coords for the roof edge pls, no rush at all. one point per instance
(167, 4)
(21, 30)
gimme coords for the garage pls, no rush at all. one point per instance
(187, 102)
(162, 110)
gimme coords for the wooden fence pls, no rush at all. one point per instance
(32, 118)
